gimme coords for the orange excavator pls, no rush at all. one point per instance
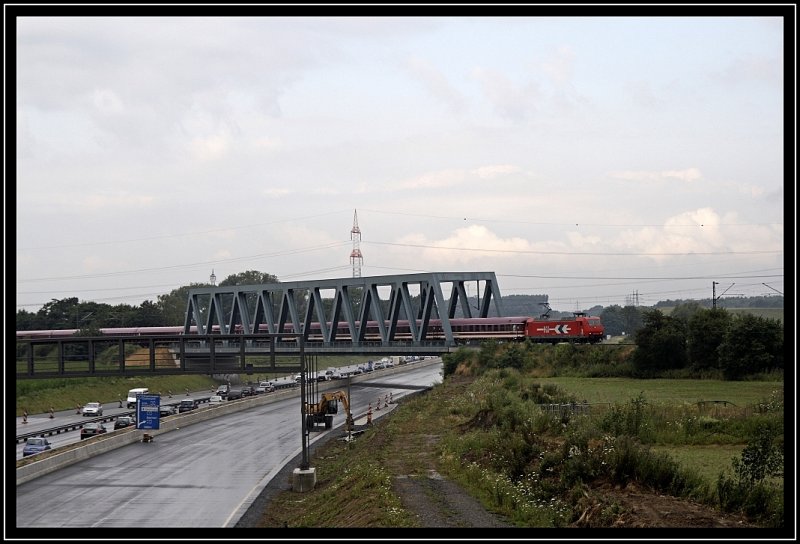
(322, 411)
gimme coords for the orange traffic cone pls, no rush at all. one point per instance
(51, 413)
(77, 408)
(369, 415)
(379, 404)
(24, 416)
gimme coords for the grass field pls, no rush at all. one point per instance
(708, 461)
(611, 390)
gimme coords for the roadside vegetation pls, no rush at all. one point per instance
(545, 454)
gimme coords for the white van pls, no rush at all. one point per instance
(133, 393)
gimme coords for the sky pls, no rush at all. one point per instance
(597, 160)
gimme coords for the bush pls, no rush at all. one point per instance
(450, 361)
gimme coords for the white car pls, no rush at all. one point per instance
(93, 409)
(215, 399)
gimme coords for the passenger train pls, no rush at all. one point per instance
(580, 329)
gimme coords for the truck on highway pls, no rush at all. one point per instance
(135, 392)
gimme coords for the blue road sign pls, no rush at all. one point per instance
(148, 408)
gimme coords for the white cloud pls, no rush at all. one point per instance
(435, 82)
(107, 102)
(493, 171)
(559, 67)
(268, 144)
(107, 203)
(432, 180)
(687, 175)
(210, 148)
(697, 231)
(509, 100)
(444, 252)
(275, 192)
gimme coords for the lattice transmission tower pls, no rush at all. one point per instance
(355, 256)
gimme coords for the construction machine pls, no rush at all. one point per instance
(322, 411)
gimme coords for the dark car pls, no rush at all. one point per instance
(34, 446)
(166, 410)
(124, 421)
(234, 394)
(248, 391)
(222, 390)
(92, 429)
(187, 405)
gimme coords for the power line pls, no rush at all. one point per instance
(192, 265)
(573, 224)
(580, 253)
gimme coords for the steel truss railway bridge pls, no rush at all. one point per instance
(224, 327)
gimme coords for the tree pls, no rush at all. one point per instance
(59, 314)
(661, 345)
(632, 319)
(617, 320)
(613, 320)
(705, 332)
(751, 345)
(173, 305)
(685, 310)
(250, 277)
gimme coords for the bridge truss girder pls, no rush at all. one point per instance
(353, 301)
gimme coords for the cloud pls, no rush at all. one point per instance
(268, 144)
(432, 180)
(687, 175)
(702, 230)
(108, 203)
(435, 82)
(276, 193)
(509, 100)
(107, 102)
(751, 69)
(444, 253)
(560, 67)
(453, 177)
(209, 148)
(493, 171)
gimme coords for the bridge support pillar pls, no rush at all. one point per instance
(304, 480)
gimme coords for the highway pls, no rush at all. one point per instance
(203, 475)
